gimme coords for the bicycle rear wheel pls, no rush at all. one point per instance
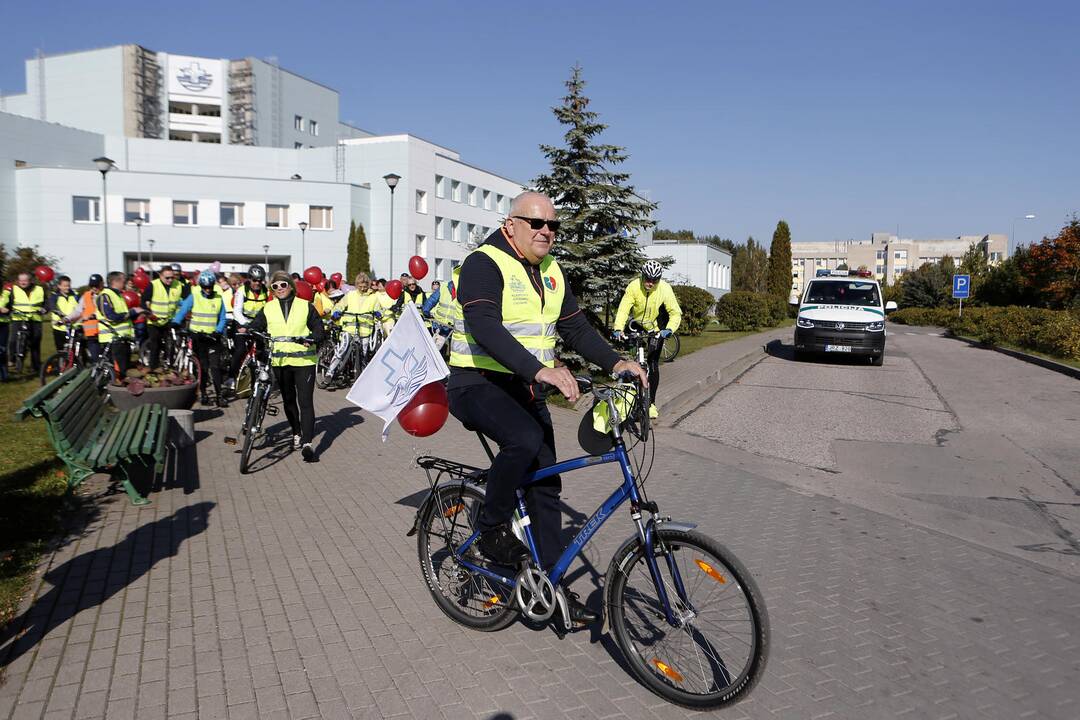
(466, 597)
(719, 650)
(672, 345)
(53, 367)
(252, 420)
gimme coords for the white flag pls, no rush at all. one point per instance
(406, 362)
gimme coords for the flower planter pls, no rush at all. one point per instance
(174, 397)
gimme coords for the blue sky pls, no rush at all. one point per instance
(843, 118)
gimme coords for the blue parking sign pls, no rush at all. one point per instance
(961, 287)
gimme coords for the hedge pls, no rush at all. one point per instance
(743, 310)
(1054, 332)
(695, 304)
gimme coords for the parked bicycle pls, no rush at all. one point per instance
(72, 354)
(686, 614)
(258, 406)
(20, 340)
(181, 357)
(343, 358)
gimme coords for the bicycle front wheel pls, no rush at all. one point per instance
(53, 367)
(252, 420)
(718, 650)
(466, 597)
(672, 345)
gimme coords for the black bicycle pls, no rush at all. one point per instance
(20, 342)
(343, 358)
(258, 402)
(72, 354)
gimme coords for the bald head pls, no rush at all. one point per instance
(529, 202)
(534, 243)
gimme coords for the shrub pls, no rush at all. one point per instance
(695, 304)
(1055, 332)
(742, 310)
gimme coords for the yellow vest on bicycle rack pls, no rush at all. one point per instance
(123, 328)
(523, 316)
(286, 334)
(164, 301)
(26, 307)
(205, 312)
(354, 318)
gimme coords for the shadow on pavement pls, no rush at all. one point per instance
(336, 424)
(780, 351)
(92, 578)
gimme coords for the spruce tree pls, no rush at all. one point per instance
(600, 213)
(357, 259)
(780, 262)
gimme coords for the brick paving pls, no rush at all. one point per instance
(294, 593)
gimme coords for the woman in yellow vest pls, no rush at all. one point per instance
(296, 329)
(207, 309)
(62, 304)
(352, 310)
(249, 298)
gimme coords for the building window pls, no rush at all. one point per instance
(439, 192)
(298, 123)
(232, 214)
(297, 145)
(86, 209)
(439, 234)
(995, 257)
(440, 265)
(900, 255)
(321, 218)
(277, 216)
(421, 245)
(487, 199)
(313, 128)
(185, 212)
(880, 254)
(421, 201)
(455, 191)
(455, 231)
(471, 194)
(136, 209)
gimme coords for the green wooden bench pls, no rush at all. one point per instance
(91, 436)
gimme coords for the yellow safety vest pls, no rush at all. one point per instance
(531, 323)
(121, 329)
(5, 295)
(205, 312)
(286, 350)
(443, 312)
(164, 301)
(27, 307)
(227, 296)
(645, 306)
(66, 305)
(253, 303)
(354, 308)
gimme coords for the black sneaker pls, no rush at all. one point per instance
(501, 546)
(205, 400)
(580, 614)
(221, 401)
(308, 452)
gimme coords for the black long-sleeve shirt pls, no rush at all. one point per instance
(480, 294)
(314, 322)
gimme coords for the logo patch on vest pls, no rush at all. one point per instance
(549, 283)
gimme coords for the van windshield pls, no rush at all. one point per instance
(833, 292)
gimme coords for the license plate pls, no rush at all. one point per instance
(838, 348)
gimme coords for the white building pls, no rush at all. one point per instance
(700, 264)
(222, 190)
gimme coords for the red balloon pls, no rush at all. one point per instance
(336, 277)
(418, 267)
(426, 413)
(393, 289)
(131, 298)
(8, 285)
(304, 291)
(313, 274)
(44, 273)
(141, 281)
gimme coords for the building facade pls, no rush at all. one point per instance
(699, 264)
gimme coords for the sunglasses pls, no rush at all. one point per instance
(537, 223)
(279, 285)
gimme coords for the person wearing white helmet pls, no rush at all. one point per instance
(207, 324)
(643, 300)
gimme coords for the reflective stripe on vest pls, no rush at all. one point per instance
(123, 328)
(66, 305)
(287, 332)
(164, 301)
(89, 316)
(27, 307)
(205, 312)
(253, 303)
(531, 324)
(356, 318)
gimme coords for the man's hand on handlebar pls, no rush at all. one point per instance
(562, 380)
(617, 336)
(632, 367)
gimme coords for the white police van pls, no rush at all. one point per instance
(841, 313)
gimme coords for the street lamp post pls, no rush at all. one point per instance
(138, 242)
(151, 243)
(303, 245)
(392, 181)
(1012, 238)
(104, 165)
(266, 256)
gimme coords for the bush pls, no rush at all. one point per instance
(742, 310)
(1054, 332)
(695, 304)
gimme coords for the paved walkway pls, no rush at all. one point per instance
(294, 593)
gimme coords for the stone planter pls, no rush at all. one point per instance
(174, 397)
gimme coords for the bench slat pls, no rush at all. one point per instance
(42, 394)
(132, 444)
(88, 452)
(126, 422)
(77, 434)
(102, 447)
(58, 402)
(88, 410)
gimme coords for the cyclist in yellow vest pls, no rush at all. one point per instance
(62, 304)
(296, 329)
(161, 298)
(28, 305)
(442, 313)
(249, 298)
(207, 309)
(514, 301)
(352, 309)
(115, 328)
(642, 300)
(5, 329)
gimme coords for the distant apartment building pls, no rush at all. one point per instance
(886, 255)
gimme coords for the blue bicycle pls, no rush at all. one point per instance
(685, 613)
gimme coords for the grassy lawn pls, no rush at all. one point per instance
(714, 335)
(32, 485)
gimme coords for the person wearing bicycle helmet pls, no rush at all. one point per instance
(207, 324)
(248, 301)
(514, 301)
(644, 300)
(86, 315)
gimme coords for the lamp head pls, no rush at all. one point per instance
(303, 225)
(391, 180)
(103, 164)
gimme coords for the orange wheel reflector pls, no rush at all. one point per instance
(492, 602)
(710, 571)
(670, 672)
(454, 510)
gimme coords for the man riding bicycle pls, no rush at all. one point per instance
(513, 299)
(643, 299)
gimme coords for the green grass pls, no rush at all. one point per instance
(32, 486)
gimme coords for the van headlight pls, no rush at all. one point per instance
(804, 323)
(876, 326)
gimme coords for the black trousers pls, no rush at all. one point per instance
(506, 410)
(652, 360)
(5, 334)
(33, 345)
(297, 384)
(93, 348)
(155, 337)
(59, 339)
(207, 348)
(121, 354)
